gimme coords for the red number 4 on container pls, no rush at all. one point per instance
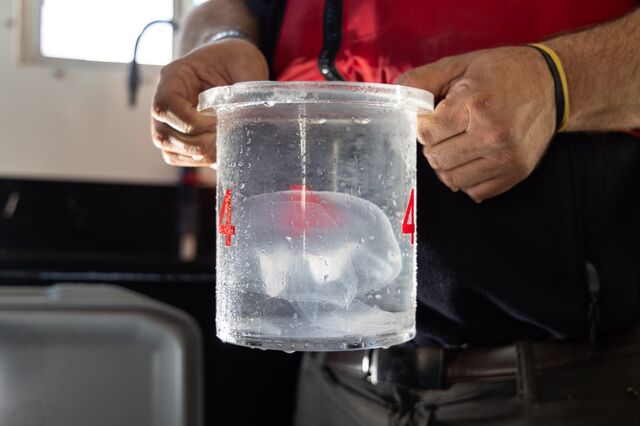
(409, 222)
(224, 221)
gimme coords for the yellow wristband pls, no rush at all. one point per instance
(562, 77)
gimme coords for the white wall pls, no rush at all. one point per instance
(73, 123)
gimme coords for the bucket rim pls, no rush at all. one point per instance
(271, 93)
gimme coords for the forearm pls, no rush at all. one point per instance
(602, 65)
(214, 16)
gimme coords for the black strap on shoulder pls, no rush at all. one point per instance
(331, 41)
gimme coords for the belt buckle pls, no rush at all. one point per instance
(418, 368)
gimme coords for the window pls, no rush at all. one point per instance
(97, 30)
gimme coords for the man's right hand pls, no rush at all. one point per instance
(185, 136)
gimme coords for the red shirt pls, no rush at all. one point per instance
(381, 39)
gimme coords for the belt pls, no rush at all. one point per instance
(434, 368)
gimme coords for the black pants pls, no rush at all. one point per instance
(597, 392)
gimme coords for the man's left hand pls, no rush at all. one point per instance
(494, 122)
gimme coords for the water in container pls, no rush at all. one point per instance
(316, 214)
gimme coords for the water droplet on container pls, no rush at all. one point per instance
(378, 297)
(269, 104)
(361, 120)
(241, 186)
(326, 277)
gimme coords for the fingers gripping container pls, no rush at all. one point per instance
(316, 197)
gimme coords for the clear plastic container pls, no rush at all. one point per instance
(316, 213)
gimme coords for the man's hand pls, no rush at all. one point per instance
(494, 122)
(186, 137)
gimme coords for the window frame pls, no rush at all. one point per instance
(28, 39)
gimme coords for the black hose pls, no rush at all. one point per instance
(134, 73)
